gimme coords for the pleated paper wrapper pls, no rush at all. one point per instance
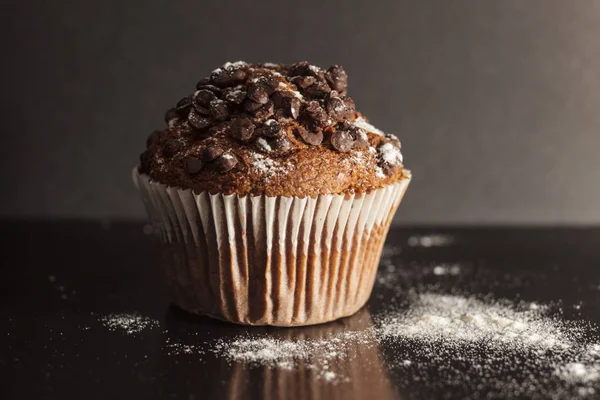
(259, 260)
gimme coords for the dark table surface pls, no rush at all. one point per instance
(59, 278)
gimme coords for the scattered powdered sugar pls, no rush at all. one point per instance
(362, 123)
(434, 332)
(483, 346)
(264, 145)
(128, 323)
(267, 166)
(449, 318)
(446, 269)
(356, 157)
(390, 154)
(576, 373)
(235, 93)
(271, 65)
(314, 69)
(176, 348)
(231, 65)
(379, 172)
(290, 89)
(430, 240)
(510, 349)
(322, 355)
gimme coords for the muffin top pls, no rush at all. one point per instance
(273, 129)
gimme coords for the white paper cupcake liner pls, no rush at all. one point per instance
(261, 260)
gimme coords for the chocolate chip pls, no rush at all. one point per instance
(302, 82)
(234, 95)
(171, 147)
(198, 121)
(337, 78)
(202, 110)
(203, 97)
(152, 138)
(312, 138)
(219, 110)
(258, 93)
(315, 112)
(184, 105)
(211, 153)
(361, 140)
(393, 140)
(361, 144)
(270, 128)
(171, 117)
(337, 108)
(239, 75)
(301, 68)
(287, 103)
(265, 111)
(202, 82)
(226, 162)
(317, 90)
(242, 129)
(270, 84)
(279, 97)
(293, 108)
(389, 156)
(193, 165)
(251, 106)
(217, 91)
(342, 141)
(145, 161)
(350, 106)
(221, 77)
(281, 144)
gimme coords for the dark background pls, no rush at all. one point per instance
(497, 103)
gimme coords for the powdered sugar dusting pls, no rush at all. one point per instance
(434, 317)
(492, 336)
(391, 154)
(446, 269)
(234, 65)
(579, 373)
(267, 166)
(364, 124)
(356, 157)
(321, 355)
(264, 145)
(290, 89)
(455, 335)
(234, 93)
(433, 240)
(174, 348)
(128, 323)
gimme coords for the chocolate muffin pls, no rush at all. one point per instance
(271, 194)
